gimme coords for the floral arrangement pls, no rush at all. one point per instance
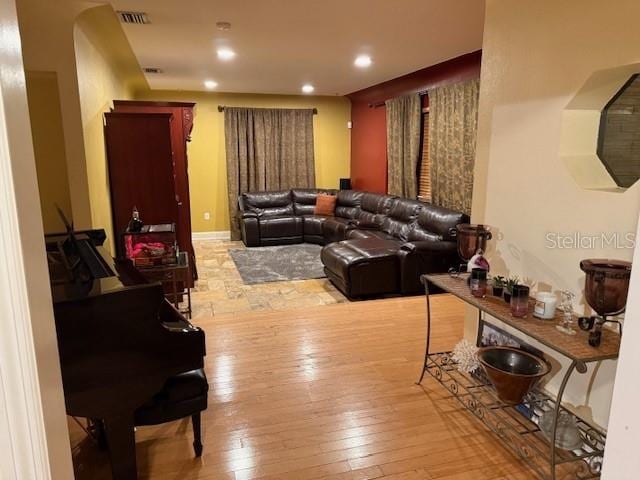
(465, 355)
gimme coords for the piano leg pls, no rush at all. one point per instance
(121, 441)
(96, 428)
(197, 435)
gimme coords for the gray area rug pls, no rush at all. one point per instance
(276, 264)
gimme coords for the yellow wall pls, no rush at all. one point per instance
(536, 56)
(46, 31)
(48, 146)
(107, 70)
(207, 163)
(84, 61)
(104, 74)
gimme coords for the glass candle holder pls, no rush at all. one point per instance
(478, 282)
(520, 301)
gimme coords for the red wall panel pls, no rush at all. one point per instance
(369, 130)
(368, 148)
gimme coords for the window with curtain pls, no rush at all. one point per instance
(403, 144)
(453, 121)
(424, 172)
(267, 149)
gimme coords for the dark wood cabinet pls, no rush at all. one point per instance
(148, 167)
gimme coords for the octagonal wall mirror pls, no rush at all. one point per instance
(600, 137)
(619, 134)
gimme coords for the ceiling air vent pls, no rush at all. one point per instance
(136, 18)
(152, 70)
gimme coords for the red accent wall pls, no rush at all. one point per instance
(369, 129)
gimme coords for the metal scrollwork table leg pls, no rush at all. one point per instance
(426, 352)
(581, 367)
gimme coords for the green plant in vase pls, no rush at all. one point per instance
(498, 285)
(508, 287)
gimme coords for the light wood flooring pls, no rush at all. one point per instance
(322, 393)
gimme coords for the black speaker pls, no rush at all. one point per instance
(345, 184)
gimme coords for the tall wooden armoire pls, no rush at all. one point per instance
(148, 167)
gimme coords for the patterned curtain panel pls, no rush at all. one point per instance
(403, 144)
(453, 121)
(267, 149)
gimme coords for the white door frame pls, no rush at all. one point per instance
(621, 458)
(34, 440)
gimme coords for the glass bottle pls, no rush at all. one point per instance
(478, 282)
(520, 301)
(135, 224)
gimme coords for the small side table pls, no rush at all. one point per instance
(178, 274)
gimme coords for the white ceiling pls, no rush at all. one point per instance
(282, 44)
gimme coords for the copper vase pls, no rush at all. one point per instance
(471, 238)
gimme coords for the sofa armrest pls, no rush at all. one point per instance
(250, 230)
(426, 246)
(424, 256)
(248, 214)
(354, 223)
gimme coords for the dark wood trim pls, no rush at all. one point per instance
(450, 71)
(315, 110)
(152, 103)
(138, 114)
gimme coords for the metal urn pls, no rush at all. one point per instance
(472, 243)
(606, 288)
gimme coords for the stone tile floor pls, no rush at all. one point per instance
(220, 289)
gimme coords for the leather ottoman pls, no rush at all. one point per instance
(362, 267)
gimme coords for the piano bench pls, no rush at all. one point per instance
(182, 396)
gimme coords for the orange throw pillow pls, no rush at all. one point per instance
(325, 204)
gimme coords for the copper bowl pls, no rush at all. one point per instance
(471, 238)
(606, 285)
(512, 371)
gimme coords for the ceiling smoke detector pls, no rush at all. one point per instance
(153, 70)
(224, 26)
(135, 18)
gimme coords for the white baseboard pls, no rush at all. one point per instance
(221, 235)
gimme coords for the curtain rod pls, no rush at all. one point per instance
(422, 93)
(222, 107)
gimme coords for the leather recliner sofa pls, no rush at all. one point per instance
(374, 244)
(280, 218)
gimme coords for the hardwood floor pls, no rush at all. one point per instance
(324, 392)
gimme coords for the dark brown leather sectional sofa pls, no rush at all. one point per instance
(374, 244)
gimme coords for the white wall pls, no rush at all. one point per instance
(536, 56)
(34, 443)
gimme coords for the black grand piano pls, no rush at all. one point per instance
(121, 345)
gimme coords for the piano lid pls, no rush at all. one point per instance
(79, 267)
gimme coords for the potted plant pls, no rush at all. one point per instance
(508, 287)
(498, 285)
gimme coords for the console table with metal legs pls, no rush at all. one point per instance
(177, 275)
(517, 426)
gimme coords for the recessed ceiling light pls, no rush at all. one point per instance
(362, 61)
(210, 84)
(226, 54)
(308, 88)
